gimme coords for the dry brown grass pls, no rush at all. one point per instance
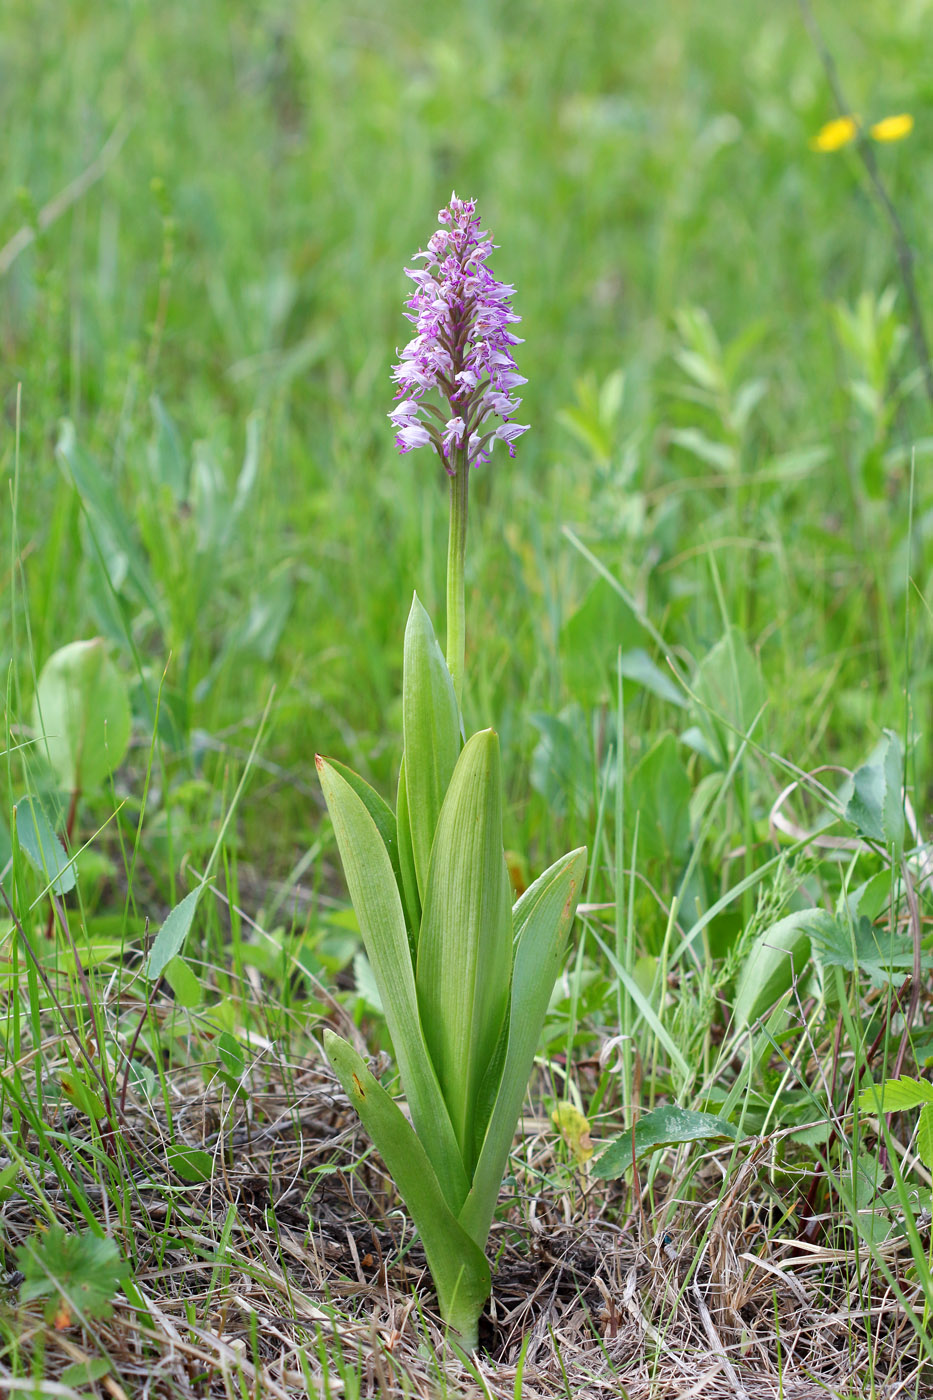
(594, 1297)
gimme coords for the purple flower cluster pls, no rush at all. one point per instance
(463, 346)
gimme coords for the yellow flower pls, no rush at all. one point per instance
(893, 128)
(835, 134)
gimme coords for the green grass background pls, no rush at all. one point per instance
(241, 261)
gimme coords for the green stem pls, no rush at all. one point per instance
(456, 556)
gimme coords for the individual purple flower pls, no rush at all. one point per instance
(462, 349)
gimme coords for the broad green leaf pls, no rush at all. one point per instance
(79, 1090)
(41, 846)
(365, 982)
(563, 760)
(722, 456)
(858, 943)
(230, 1054)
(457, 1263)
(431, 732)
(660, 793)
(636, 665)
(408, 885)
(110, 527)
(869, 1177)
(896, 1095)
(190, 1163)
(541, 921)
(590, 640)
(378, 809)
(82, 709)
(374, 893)
(465, 945)
(661, 1127)
(167, 461)
(876, 806)
(183, 982)
(777, 955)
(171, 936)
(85, 1373)
(728, 687)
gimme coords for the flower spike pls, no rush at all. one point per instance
(462, 349)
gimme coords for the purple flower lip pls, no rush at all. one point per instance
(462, 347)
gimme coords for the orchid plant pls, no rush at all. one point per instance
(464, 977)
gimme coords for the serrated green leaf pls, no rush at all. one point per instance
(541, 920)
(82, 711)
(660, 1127)
(896, 1095)
(925, 1136)
(371, 882)
(41, 846)
(75, 1273)
(465, 945)
(190, 1163)
(777, 955)
(859, 944)
(431, 733)
(457, 1263)
(876, 807)
(170, 939)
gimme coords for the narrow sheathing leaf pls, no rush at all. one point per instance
(379, 810)
(457, 1263)
(431, 732)
(375, 896)
(542, 919)
(411, 900)
(465, 947)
